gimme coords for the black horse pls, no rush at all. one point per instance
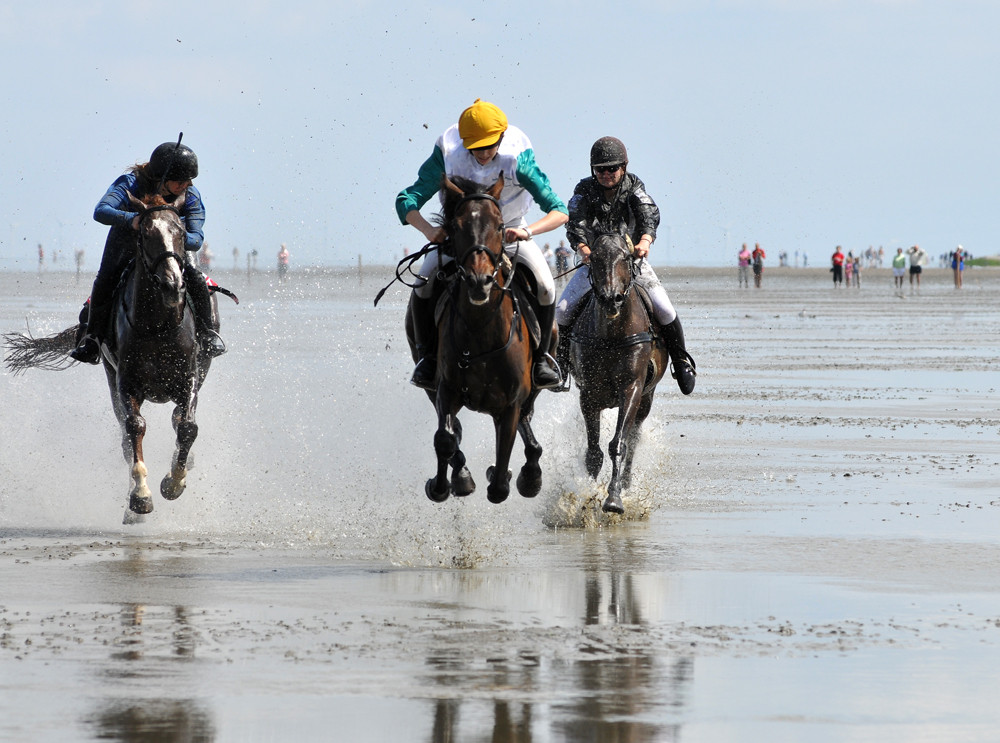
(153, 353)
(616, 360)
(484, 348)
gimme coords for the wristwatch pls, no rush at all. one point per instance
(528, 230)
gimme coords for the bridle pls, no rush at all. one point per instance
(480, 247)
(151, 266)
(633, 271)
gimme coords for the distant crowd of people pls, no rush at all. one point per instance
(846, 268)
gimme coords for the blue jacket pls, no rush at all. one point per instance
(115, 210)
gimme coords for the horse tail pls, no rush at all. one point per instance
(50, 352)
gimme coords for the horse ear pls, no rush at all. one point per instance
(179, 201)
(497, 187)
(138, 205)
(447, 185)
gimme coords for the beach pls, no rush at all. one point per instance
(809, 550)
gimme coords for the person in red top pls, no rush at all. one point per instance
(758, 256)
(838, 267)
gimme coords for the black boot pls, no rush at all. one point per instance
(544, 373)
(201, 298)
(562, 356)
(88, 349)
(682, 367)
(425, 340)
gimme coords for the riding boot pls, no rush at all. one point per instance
(425, 340)
(88, 349)
(682, 367)
(545, 372)
(201, 298)
(562, 356)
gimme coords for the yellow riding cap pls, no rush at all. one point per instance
(481, 125)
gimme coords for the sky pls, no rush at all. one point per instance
(798, 124)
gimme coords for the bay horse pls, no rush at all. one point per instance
(484, 348)
(616, 360)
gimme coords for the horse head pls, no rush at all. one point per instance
(474, 223)
(611, 272)
(161, 245)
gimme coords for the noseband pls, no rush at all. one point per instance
(152, 266)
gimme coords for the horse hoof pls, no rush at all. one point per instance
(613, 504)
(462, 483)
(171, 489)
(497, 492)
(529, 483)
(141, 504)
(437, 497)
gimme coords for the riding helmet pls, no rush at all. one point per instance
(608, 151)
(481, 125)
(173, 162)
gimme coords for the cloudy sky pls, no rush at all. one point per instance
(800, 124)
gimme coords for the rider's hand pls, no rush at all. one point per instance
(436, 235)
(641, 249)
(135, 223)
(584, 252)
(513, 234)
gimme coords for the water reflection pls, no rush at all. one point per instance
(615, 682)
(151, 642)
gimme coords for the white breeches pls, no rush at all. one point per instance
(529, 255)
(579, 285)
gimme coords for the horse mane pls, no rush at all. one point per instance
(153, 199)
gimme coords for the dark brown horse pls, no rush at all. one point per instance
(616, 360)
(158, 355)
(155, 356)
(484, 349)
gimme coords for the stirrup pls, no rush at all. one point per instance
(538, 373)
(424, 375)
(88, 352)
(212, 343)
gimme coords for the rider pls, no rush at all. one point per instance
(480, 147)
(615, 200)
(169, 172)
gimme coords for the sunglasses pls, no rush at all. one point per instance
(606, 168)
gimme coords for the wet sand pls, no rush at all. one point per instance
(809, 550)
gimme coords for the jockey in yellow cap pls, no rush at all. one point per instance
(480, 147)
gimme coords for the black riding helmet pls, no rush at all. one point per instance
(173, 162)
(608, 151)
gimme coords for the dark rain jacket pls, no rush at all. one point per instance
(632, 211)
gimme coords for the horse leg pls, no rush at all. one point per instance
(498, 475)
(619, 445)
(644, 407)
(594, 457)
(529, 479)
(173, 484)
(438, 488)
(140, 500)
(462, 483)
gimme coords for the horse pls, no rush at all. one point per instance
(484, 348)
(616, 360)
(155, 356)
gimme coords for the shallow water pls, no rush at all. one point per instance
(810, 550)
